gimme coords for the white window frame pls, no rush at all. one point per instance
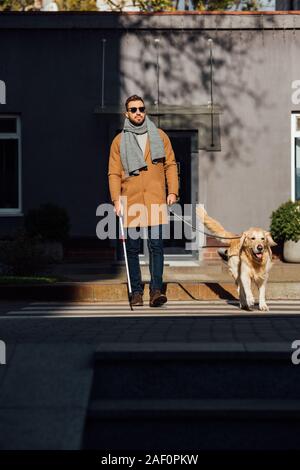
(14, 135)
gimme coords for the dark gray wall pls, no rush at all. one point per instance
(255, 62)
(52, 67)
(53, 80)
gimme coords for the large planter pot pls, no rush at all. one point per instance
(291, 251)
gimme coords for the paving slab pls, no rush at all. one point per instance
(41, 428)
(44, 395)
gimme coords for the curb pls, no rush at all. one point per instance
(105, 292)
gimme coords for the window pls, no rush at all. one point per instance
(10, 165)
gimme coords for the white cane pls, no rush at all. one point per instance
(125, 255)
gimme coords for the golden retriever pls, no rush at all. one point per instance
(249, 257)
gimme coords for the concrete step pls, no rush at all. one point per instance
(157, 396)
(116, 290)
(192, 371)
(216, 272)
(193, 425)
(221, 408)
(103, 270)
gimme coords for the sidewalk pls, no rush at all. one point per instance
(47, 385)
(107, 282)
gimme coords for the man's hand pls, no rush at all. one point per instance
(117, 208)
(171, 199)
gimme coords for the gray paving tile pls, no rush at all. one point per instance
(10, 349)
(41, 429)
(48, 375)
(93, 330)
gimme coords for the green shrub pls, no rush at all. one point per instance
(22, 256)
(285, 222)
(49, 221)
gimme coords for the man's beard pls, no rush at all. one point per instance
(137, 124)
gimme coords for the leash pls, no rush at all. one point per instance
(201, 231)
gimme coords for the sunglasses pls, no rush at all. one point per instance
(134, 110)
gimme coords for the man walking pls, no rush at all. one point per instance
(141, 161)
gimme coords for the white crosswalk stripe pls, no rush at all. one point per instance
(172, 308)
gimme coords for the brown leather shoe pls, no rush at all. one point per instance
(157, 298)
(136, 299)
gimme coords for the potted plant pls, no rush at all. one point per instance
(51, 223)
(285, 229)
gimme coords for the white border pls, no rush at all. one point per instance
(14, 135)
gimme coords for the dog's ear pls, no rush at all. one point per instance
(242, 240)
(270, 239)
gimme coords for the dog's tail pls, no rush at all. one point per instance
(213, 225)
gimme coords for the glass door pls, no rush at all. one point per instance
(179, 244)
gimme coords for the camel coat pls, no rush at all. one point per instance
(144, 195)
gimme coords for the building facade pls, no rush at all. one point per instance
(234, 121)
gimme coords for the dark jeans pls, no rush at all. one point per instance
(156, 257)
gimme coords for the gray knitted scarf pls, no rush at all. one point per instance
(132, 157)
